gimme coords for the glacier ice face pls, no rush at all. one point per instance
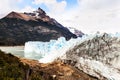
(48, 51)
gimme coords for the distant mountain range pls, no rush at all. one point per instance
(78, 33)
(18, 28)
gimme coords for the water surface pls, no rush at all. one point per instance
(15, 50)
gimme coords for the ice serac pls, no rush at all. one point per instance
(98, 56)
(48, 51)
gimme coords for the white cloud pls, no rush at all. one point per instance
(27, 9)
(52, 5)
(98, 4)
(7, 6)
(93, 15)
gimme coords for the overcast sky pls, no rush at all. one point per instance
(85, 15)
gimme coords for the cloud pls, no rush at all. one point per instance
(52, 5)
(93, 15)
(101, 15)
(27, 9)
(98, 4)
(7, 6)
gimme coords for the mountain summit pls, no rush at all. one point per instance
(19, 16)
(18, 28)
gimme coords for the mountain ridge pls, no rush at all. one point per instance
(18, 28)
(19, 16)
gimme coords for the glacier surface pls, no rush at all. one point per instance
(98, 56)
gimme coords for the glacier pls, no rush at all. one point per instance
(103, 66)
(98, 56)
(48, 51)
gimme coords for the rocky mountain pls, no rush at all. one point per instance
(77, 32)
(14, 68)
(18, 28)
(98, 56)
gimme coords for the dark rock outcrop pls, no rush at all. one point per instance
(18, 28)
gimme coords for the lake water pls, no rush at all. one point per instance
(15, 50)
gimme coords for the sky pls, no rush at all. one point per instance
(86, 15)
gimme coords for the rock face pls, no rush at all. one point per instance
(18, 28)
(98, 56)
